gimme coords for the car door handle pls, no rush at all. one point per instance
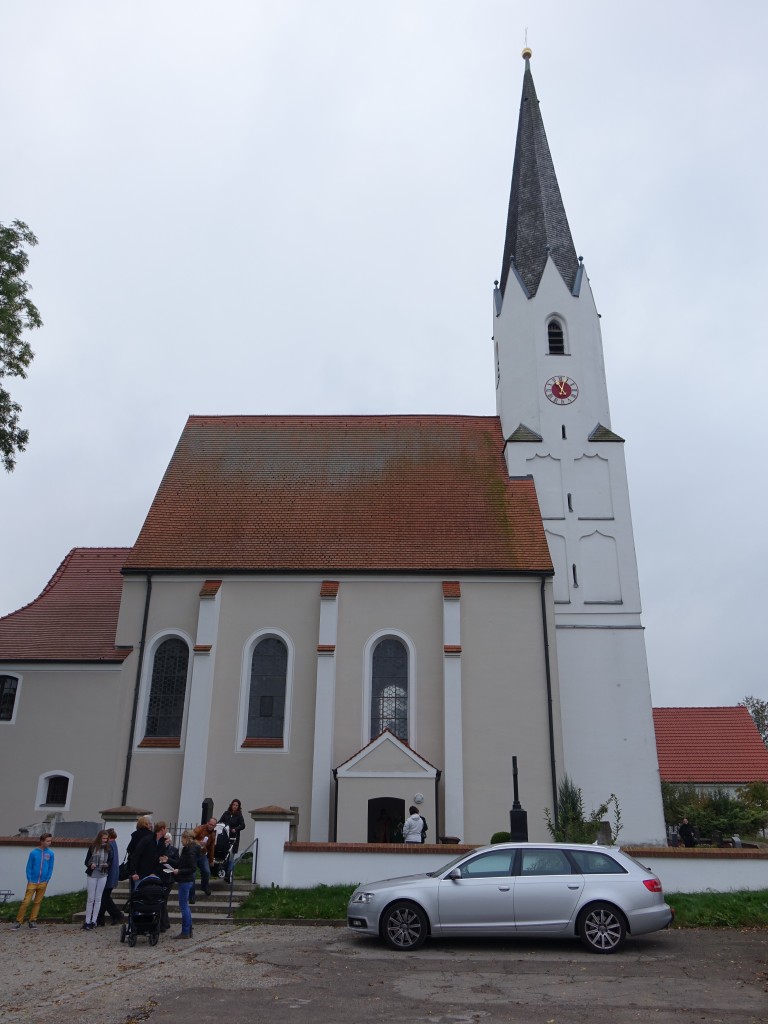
(573, 886)
(504, 888)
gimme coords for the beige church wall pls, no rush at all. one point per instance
(354, 795)
(272, 776)
(504, 702)
(66, 723)
(414, 608)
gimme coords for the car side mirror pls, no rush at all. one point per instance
(455, 874)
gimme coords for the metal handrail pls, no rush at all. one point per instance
(235, 862)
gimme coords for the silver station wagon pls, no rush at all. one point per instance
(595, 893)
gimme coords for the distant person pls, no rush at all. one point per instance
(39, 871)
(185, 879)
(235, 822)
(98, 861)
(149, 857)
(108, 905)
(413, 826)
(205, 837)
(687, 833)
(143, 828)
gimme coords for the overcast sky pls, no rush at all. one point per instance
(298, 206)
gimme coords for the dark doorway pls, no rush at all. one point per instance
(385, 816)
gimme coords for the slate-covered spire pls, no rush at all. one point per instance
(536, 222)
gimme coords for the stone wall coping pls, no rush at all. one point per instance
(451, 850)
(33, 841)
(686, 852)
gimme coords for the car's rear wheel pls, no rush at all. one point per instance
(602, 928)
(404, 926)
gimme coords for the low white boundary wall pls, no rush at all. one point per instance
(68, 866)
(302, 865)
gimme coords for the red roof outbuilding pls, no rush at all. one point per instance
(714, 746)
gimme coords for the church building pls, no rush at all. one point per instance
(350, 614)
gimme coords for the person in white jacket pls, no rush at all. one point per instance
(412, 826)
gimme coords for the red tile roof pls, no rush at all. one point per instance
(75, 617)
(709, 745)
(342, 493)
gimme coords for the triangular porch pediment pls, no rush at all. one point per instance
(387, 755)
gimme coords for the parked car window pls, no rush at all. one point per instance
(489, 865)
(590, 862)
(545, 862)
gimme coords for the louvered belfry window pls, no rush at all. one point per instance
(556, 338)
(266, 702)
(389, 688)
(168, 690)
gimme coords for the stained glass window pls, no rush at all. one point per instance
(169, 685)
(389, 688)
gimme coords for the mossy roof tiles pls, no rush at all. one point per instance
(341, 494)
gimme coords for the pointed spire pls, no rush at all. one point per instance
(536, 223)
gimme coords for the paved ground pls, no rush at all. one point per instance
(289, 973)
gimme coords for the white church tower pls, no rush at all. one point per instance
(552, 399)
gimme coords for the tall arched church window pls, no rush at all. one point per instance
(389, 688)
(556, 338)
(165, 708)
(8, 691)
(266, 700)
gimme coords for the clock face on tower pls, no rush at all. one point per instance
(561, 390)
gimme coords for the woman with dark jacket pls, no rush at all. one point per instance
(108, 905)
(235, 822)
(143, 828)
(185, 878)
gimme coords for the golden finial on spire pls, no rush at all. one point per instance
(527, 53)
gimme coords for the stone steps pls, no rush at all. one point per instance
(213, 909)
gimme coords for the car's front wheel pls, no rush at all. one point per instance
(602, 928)
(404, 926)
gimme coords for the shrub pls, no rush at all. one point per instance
(572, 826)
(500, 837)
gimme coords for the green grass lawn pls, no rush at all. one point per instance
(321, 903)
(53, 908)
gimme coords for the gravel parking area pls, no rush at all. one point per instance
(283, 973)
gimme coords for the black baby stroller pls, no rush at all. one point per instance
(222, 851)
(145, 910)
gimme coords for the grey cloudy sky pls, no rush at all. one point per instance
(299, 207)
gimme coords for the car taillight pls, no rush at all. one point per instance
(652, 884)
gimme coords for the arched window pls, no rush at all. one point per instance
(54, 789)
(389, 688)
(556, 338)
(165, 708)
(9, 687)
(266, 699)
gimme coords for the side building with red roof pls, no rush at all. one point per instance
(711, 748)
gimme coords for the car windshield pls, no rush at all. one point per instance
(448, 866)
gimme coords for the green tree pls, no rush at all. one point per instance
(17, 314)
(759, 711)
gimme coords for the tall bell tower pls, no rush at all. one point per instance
(552, 400)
